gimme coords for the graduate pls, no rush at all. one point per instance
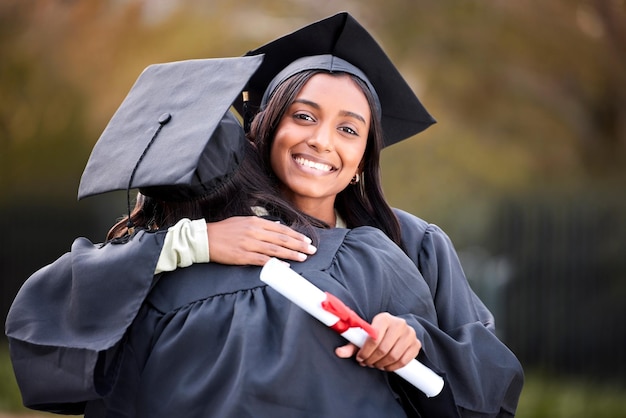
(87, 335)
(485, 376)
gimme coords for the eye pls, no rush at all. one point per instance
(303, 116)
(349, 130)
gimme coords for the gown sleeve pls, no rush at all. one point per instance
(378, 277)
(485, 376)
(186, 243)
(68, 319)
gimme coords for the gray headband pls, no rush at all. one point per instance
(326, 62)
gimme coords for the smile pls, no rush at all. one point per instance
(312, 164)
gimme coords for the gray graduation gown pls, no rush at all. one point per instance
(214, 341)
(484, 376)
(70, 312)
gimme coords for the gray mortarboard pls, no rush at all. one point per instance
(343, 37)
(173, 137)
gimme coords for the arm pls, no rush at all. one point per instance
(485, 375)
(242, 240)
(381, 283)
(67, 320)
(253, 240)
(235, 241)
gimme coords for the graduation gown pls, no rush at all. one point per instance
(484, 376)
(70, 312)
(213, 340)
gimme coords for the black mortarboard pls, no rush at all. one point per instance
(173, 136)
(342, 36)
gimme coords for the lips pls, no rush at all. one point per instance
(313, 164)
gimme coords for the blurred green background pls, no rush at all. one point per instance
(525, 169)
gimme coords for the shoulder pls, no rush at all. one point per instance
(371, 240)
(417, 226)
(373, 248)
(407, 219)
(338, 244)
(368, 234)
(418, 235)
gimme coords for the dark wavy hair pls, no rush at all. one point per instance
(246, 188)
(360, 204)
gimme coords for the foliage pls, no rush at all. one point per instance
(528, 94)
(10, 399)
(549, 397)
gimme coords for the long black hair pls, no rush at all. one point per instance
(360, 204)
(236, 196)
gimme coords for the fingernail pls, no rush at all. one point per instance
(312, 249)
(302, 256)
(308, 240)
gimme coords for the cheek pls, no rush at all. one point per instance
(354, 157)
(280, 147)
(278, 155)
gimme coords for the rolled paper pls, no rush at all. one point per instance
(339, 317)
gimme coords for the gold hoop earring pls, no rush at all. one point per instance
(355, 179)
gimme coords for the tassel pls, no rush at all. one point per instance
(247, 114)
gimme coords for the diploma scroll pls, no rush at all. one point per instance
(311, 299)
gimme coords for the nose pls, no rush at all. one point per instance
(321, 140)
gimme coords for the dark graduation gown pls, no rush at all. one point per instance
(67, 314)
(484, 376)
(213, 340)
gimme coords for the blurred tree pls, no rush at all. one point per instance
(529, 97)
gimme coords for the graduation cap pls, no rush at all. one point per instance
(173, 136)
(343, 37)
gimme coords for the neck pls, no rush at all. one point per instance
(322, 209)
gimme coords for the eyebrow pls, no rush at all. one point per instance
(343, 112)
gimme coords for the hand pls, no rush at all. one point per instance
(250, 240)
(395, 346)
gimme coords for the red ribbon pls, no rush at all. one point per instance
(347, 317)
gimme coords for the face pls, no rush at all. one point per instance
(320, 142)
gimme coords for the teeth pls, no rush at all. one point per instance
(312, 164)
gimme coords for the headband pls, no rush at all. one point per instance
(326, 62)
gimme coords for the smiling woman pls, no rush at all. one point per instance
(320, 142)
(338, 130)
(328, 100)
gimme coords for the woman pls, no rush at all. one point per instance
(329, 168)
(208, 340)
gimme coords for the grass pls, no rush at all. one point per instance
(542, 397)
(550, 397)
(10, 400)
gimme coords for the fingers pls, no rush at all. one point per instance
(272, 239)
(284, 233)
(346, 351)
(253, 240)
(290, 249)
(395, 346)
